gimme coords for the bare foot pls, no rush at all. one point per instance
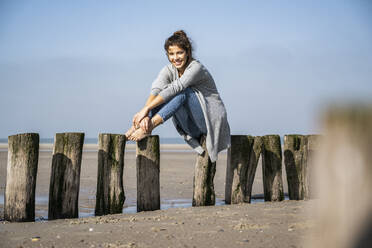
(139, 134)
(130, 131)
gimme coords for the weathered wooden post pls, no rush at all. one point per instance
(298, 153)
(237, 169)
(253, 162)
(296, 166)
(65, 176)
(23, 155)
(242, 159)
(110, 194)
(203, 187)
(148, 170)
(272, 168)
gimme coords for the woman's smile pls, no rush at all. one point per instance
(178, 57)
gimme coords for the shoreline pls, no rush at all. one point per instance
(49, 146)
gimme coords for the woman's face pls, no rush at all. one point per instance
(177, 56)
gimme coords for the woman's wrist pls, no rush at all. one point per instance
(146, 109)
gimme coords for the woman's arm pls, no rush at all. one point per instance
(152, 102)
(159, 83)
(193, 74)
(149, 99)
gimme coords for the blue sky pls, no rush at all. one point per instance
(88, 65)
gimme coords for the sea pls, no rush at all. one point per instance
(171, 141)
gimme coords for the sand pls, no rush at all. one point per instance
(259, 224)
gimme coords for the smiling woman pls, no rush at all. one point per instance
(184, 90)
(177, 56)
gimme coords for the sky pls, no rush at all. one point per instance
(87, 66)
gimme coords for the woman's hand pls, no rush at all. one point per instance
(145, 124)
(139, 116)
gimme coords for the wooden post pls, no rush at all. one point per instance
(242, 159)
(312, 147)
(110, 195)
(23, 155)
(148, 170)
(253, 162)
(65, 176)
(237, 169)
(203, 187)
(296, 166)
(343, 170)
(272, 168)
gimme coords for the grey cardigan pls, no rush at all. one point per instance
(196, 76)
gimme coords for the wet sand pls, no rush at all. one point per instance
(281, 224)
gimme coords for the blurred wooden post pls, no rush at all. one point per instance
(242, 159)
(272, 168)
(343, 173)
(65, 176)
(296, 166)
(148, 170)
(110, 194)
(23, 155)
(203, 187)
(312, 148)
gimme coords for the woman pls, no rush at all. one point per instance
(186, 91)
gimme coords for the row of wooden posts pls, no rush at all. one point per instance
(23, 151)
(242, 163)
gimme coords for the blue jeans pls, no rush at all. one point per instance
(185, 107)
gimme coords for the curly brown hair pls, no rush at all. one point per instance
(179, 38)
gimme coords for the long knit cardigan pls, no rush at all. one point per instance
(196, 76)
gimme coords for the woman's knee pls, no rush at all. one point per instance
(180, 97)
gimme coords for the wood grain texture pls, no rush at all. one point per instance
(148, 173)
(242, 159)
(253, 162)
(203, 186)
(272, 168)
(296, 166)
(23, 155)
(110, 194)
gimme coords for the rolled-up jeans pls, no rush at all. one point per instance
(185, 107)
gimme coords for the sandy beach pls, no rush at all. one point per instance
(177, 224)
